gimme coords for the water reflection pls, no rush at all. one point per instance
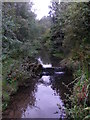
(25, 97)
(43, 99)
(59, 83)
(48, 103)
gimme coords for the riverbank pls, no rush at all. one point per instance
(80, 98)
(44, 98)
(75, 102)
(17, 74)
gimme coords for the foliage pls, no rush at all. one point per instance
(69, 37)
(20, 30)
(65, 33)
(20, 36)
(80, 98)
(70, 28)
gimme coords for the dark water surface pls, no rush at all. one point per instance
(44, 99)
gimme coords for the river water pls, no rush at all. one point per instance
(43, 99)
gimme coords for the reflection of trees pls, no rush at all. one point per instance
(19, 102)
(57, 84)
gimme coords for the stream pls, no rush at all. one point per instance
(43, 99)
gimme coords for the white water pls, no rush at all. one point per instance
(44, 65)
(48, 103)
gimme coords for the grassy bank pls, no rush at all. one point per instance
(80, 98)
(16, 73)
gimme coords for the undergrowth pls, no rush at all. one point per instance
(15, 73)
(80, 96)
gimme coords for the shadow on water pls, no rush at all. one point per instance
(43, 99)
(18, 104)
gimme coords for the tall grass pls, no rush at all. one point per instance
(80, 99)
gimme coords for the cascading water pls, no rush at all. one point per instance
(43, 99)
(48, 102)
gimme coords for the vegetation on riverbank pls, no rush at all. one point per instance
(69, 40)
(64, 33)
(20, 34)
(17, 74)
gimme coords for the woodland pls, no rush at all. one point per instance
(64, 33)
